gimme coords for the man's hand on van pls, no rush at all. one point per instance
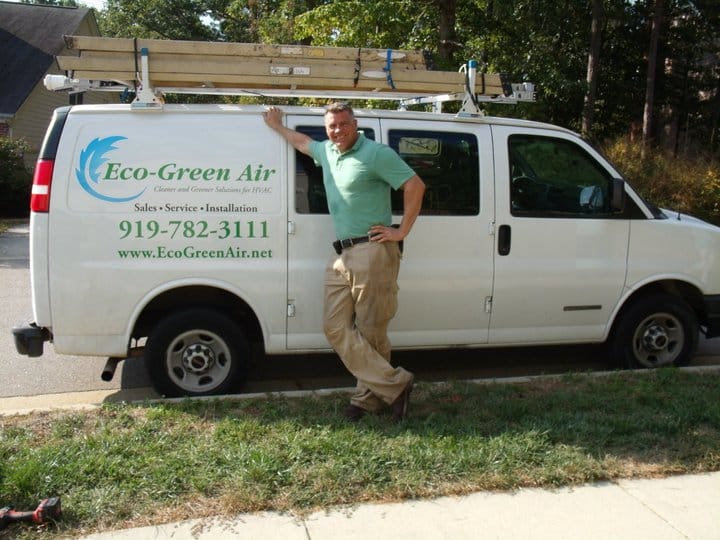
(273, 117)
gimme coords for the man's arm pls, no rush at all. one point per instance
(299, 141)
(413, 192)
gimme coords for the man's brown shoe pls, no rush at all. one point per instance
(354, 413)
(400, 405)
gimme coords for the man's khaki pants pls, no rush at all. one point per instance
(360, 300)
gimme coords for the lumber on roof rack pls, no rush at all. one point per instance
(192, 64)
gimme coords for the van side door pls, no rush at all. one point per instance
(446, 275)
(446, 272)
(561, 252)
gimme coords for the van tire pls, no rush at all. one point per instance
(655, 331)
(196, 352)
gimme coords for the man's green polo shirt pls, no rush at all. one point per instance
(358, 182)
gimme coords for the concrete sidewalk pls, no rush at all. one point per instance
(676, 508)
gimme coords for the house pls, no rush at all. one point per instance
(30, 36)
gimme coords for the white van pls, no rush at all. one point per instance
(190, 233)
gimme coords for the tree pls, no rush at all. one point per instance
(15, 178)
(657, 21)
(556, 45)
(540, 41)
(447, 43)
(691, 57)
(598, 14)
(158, 19)
(356, 23)
(257, 21)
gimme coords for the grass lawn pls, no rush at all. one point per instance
(138, 464)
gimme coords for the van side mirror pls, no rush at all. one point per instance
(618, 196)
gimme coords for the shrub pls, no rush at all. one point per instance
(15, 178)
(691, 186)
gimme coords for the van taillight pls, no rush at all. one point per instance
(40, 195)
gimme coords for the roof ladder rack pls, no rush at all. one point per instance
(513, 93)
(146, 98)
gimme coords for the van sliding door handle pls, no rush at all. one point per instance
(504, 239)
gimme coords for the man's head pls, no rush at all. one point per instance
(341, 126)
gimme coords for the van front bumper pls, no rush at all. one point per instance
(29, 339)
(712, 308)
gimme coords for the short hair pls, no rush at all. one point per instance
(338, 107)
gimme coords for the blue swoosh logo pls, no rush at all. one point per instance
(91, 159)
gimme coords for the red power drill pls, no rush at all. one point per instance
(47, 510)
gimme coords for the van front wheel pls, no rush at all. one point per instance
(655, 331)
(196, 352)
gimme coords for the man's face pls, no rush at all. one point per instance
(341, 129)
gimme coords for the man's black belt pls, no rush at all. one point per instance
(339, 245)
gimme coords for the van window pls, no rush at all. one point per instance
(448, 164)
(309, 189)
(556, 178)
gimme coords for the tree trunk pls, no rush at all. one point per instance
(448, 43)
(715, 120)
(657, 21)
(598, 14)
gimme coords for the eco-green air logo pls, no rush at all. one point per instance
(92, 158)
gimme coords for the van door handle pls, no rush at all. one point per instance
(504, 239)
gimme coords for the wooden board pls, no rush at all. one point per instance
(256, 66)
(255, 50)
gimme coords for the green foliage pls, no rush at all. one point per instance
(259, 21)
(541, 41)
(357, 23)
(689, 185)
(15, 178)
(156, 19)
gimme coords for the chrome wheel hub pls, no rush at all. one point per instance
(198, 358)
(658, 340)
(655, 338)
(198, 361)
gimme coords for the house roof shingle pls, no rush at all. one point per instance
(30, 36)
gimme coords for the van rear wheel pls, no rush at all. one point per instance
(655, 331)
(196, 352)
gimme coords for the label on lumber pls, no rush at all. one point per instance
(287, 70)
(291, 51)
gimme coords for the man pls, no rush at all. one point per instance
(361, 282)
